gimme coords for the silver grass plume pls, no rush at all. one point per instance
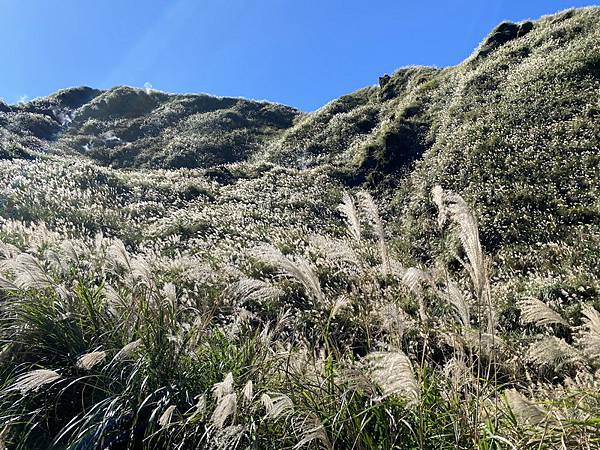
(340, 303)
(141, 271)
(225, 408)
(112, 296)
(127, 350)
(590, 335)
(313, 430)
(413, 279)
(297, 268)
(89, 360)
(370, 208)
(165, 419)
(336, 250)
(523, 408)
(33, 380)
(553, 352)
(453, 205)
(348, 209)
(8, 251)
(119, 256)
(29, 272)
(456, 298)
(267, 402)
(224, 387)
(250, 289)
(537, 312)
(248, 391)
(169, 292)
(277, 405)
(393, 373)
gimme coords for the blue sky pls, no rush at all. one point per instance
(298, 52)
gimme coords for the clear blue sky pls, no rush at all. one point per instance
(298, 52)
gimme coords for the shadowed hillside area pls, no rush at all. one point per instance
(413, 265)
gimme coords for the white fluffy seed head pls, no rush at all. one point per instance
(536, 311)
(31, 381)
(225, 408)
(89, 360)
(165, 418)
(223, 388)
(523, 408)
(128, 350)
(248, 391)
(393, 373)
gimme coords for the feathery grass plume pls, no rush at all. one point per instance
(340, 303)
(368, 205)
(248, 391)
(56, 262)
(7, 285)
(536, 311)
(29, 272)
(267, 402)
(297, 268)
(165, 419)
(553, 352)
(395, 268)
(250, 289)
(224, 387)
(348, 210)
(71, 250)
(413, 279)
(228, 437)
(523, 408)
(8, 251)
(141, 271)
(455, 297)
(454, 206)
(169, 291)
(313, 430)
(458, 374)
(393, 373)
(34, 379)
(119, 256)
(277, 405)
(127, 350)
(336, 249)
(89, 360)
(589, 338)
(469, 236)
(225, 408)
(392, 319)
(111, 295)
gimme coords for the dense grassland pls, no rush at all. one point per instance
(414, 265)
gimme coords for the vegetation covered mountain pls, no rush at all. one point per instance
(459, 309)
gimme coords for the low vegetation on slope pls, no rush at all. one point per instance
(185, 271)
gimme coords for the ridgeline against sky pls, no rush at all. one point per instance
(298, 53)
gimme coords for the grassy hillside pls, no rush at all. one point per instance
(414, 265)
(128, 127)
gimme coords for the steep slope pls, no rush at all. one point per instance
(515, 128)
